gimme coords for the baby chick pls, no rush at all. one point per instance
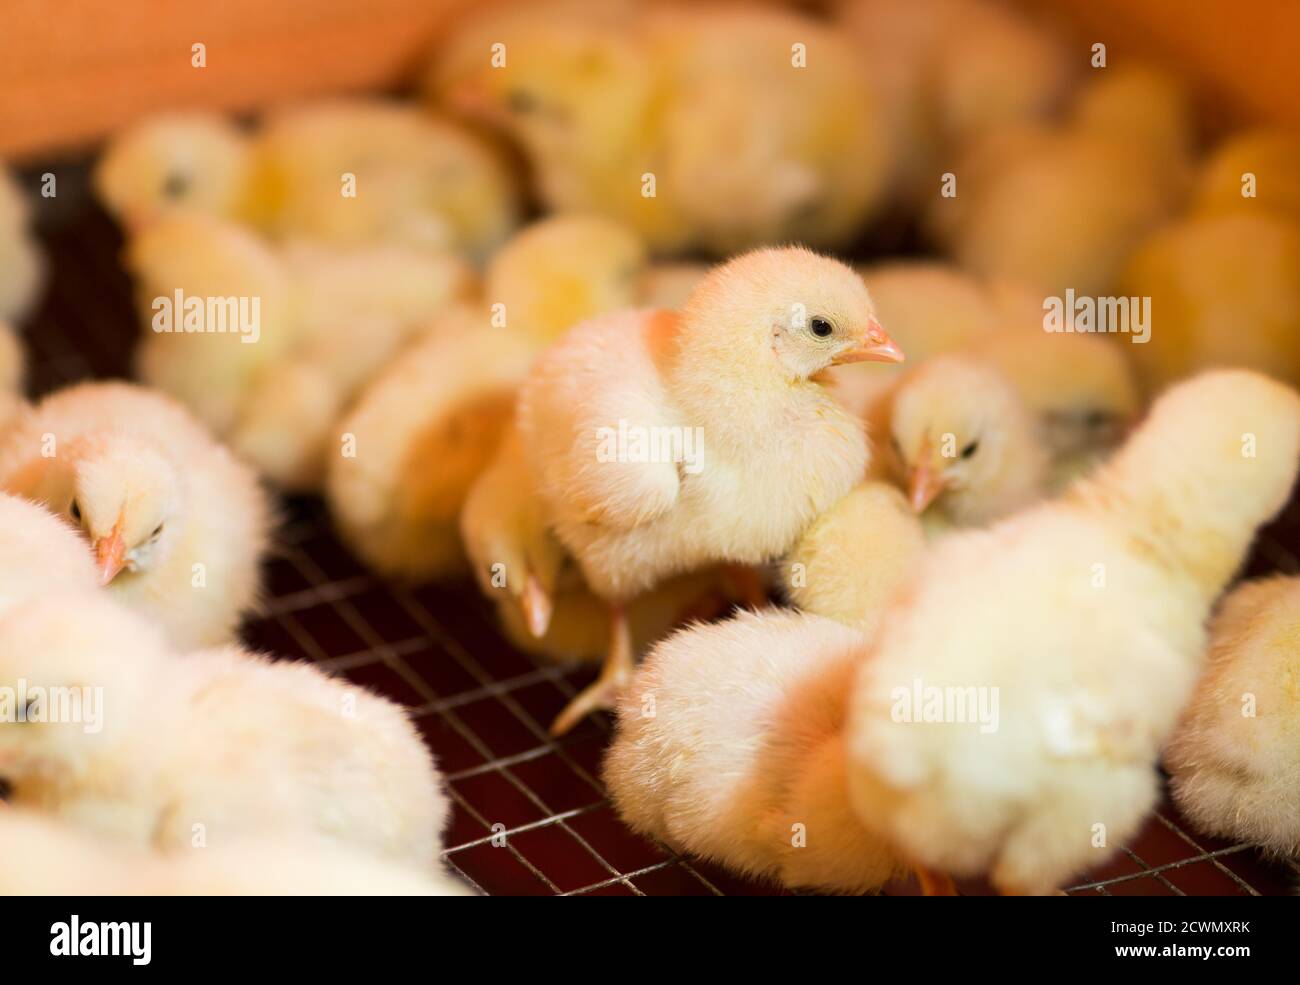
(22, 270)
(854, 557)
(1009, 714)
(39, 554)
(626, 109)
(210, 748)
(346, 171)
(1224, 290)
(176, 523)
(961, 442)
(1235, 757)
(730, 746)
(732, 390)
(46, 858)
(426, 427)
(1252, 171)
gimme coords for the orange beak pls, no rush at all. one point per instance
(537, 607)
(110, 554)
(923, 487)
(877, 348)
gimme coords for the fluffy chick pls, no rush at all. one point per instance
(425, 428)
(1271, 156)
(605, 98)
(1224, 290)
(46, 858)
(39, 554)
(1084, 619)
(215, 746)
(730, 746)
(742, 366)
(22, 269)
(961, 442)
(1234, 760)
(419, 180)
(854, 557)
(176, 523)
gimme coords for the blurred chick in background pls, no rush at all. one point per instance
(605, 98)
(956, 436)
(418, 180)
(741, 371)
(328, 318)
(427, 427)
(176, 524)
(22, 269)
(1270, 157)
(217, 746)
(730, 746)
(855, 556)
(46, 858)
(1084, 618)
(1235, 758)
(1060, 207)
(13, 374)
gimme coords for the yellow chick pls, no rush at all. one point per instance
(177, 525)
(39, 554)
(422, 431)
(646, 429)
(961, 443)
(1224, 290)
(730, 746)
(1008, 716)
(626, 109)
(13, 375)
(347, 171)
(22, 268)
(46, 858)
(217, 746)
(855, 556)
(1253, 171)
(269, 356)
(1235, 757)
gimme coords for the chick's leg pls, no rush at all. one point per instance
(935, 883)
(614, 675)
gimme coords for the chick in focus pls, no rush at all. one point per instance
(286, 334)
(424, 429)
(22, 269)
(730, 746)
(855, 556)
(1224, 290)
(1234, 760)
(219, 745)
(626, 109)
(176, 524)
(46, 858)
(961, 443)
(349, 172)
(735, 384)
(1062, 645)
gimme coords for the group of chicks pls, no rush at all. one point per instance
(1002, 519)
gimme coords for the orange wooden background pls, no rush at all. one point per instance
(71, 70)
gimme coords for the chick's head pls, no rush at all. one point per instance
(784, 315)
(193, 162)
(127, 498)
(75, 668)
(961, 438)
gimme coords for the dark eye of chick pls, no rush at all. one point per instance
(1095, 419)
(821, 327)
(175, 185)
(157, 532)
(970, 449)
(74, 511)
(521, 101)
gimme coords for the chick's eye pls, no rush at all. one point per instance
(1095, 419)
(74, 511)
(821, 328)
(157, 532)
(175, 185)
(970, 449)
(521, 101)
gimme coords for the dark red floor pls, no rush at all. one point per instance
(530, 816)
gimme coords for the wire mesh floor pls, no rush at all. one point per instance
(530, 814)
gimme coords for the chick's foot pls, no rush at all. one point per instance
(614, 675)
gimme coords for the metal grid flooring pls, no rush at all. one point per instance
(530, 814)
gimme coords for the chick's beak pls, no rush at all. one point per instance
(110, 554)
(878, 347)
(923, 487)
